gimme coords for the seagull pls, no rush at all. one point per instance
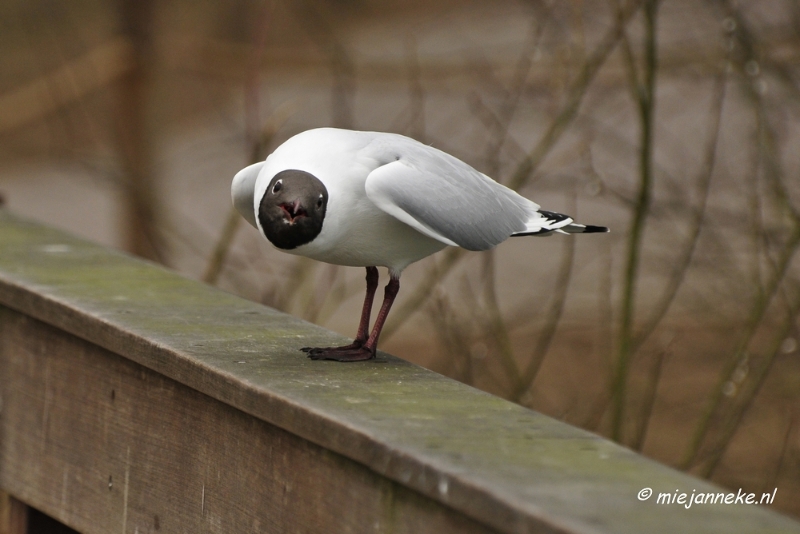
(370, 199)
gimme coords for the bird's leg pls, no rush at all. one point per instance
(367, 350)
(366, 311)
(392, 288)
(363, 325)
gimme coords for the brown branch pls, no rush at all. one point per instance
(606, 324)
(553, 319)
(499, 129)
(496, 326)
(576, 92)
(320, 29)
(754, 320)
(695, 223)
(454, 335)
(780, 465)
(416, 93)
(258, 152)
(136, 134)
(646, 102)
(767, 291)
(221, 248)
(650, 391)
(590, 68)
(491, 121)
(72, 81)
(437, 272)
(749, 394)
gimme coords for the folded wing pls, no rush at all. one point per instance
(243, 189)
(446, 199)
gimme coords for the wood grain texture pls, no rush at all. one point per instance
(13, 515)
(428, 437)
(104, 445)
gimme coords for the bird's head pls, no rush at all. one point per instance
(292, 210)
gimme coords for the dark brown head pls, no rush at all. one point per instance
(293, 209)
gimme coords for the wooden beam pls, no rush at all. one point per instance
(13, 515)
(103, 444)
(133, 396)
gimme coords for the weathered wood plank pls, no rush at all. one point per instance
(105, 445)
(503, 466)
(13, 515)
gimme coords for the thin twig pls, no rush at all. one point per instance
(338, 294)
(76, 78)
(748, 395)
(218, 255)
(650, 394)
(454, 336)
(495, 324)
(524, 169)
(552, 316)
(767, 290)
(416, 93)
(493, 123)
(319, 27)
(300, 272)
(577, 90)
(436, 273)
(258, 152)
(324, 290)
(646, 101)
(606, 327)
(754, 320)
(773, 480)
(774, 174)
(680, 267)
(499, 132)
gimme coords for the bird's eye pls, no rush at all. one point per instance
(277, 187)
(319, 202)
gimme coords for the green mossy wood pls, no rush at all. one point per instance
(490, 462)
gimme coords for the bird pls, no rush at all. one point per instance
(374, 199)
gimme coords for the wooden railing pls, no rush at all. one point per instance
(135, 400)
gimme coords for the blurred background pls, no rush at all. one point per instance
(671, 122)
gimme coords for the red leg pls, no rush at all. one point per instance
(392, 288)
(367, 350)
(366, 311)
(363, 325)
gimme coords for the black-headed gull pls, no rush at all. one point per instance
(369, 199)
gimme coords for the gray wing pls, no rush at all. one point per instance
(243, 189)
(444, 198)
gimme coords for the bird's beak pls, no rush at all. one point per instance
(293, 211)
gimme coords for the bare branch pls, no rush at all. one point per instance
(574, 98)
(646, 101)
(681, 266)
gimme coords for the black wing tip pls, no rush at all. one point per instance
(591, 229)
(544, 232)
(554, 217)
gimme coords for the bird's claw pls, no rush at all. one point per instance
(356, 344)
(349, 353)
